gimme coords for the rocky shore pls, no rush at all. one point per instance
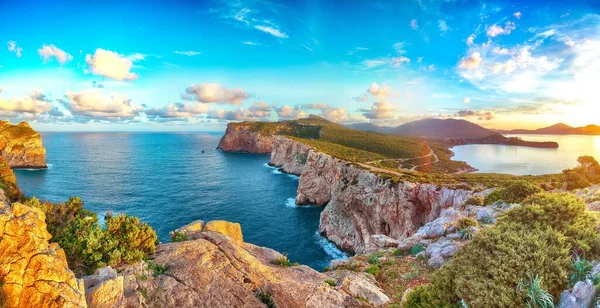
(21, 146)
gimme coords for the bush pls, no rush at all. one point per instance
(587, 173)
(466, 222)
(475, 200)
(426, 296)
(416, 249)
(373, 270)
(266, 298)
(86, 245)
(8, 182)
(283, 261)
(513, 192)
(179, 236)
(331, 282)
(564, 213)
(575, 180)
(466, 234)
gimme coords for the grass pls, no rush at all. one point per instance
(373, 270)
(535, 294)
(179, 237)
(157, 269)
(266, 298)
(580, 268)
(331, 282)
(283, 261)
(416, 249)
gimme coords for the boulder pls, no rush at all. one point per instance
(581, 296)
(215, 270)
(485, 213)
(104, 289)
(360, 285)
(438, 227)
(380, 241)
(440, 252)
(34, 273)
(231, 229)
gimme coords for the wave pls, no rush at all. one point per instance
(290, 202)
(276, 171)
(329, 247)
(293, 176)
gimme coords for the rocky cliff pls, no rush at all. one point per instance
(21, 146)
(289, 155)
(241, 137)
(360, 204)
(33, 273)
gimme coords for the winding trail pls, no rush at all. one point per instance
(376, 169)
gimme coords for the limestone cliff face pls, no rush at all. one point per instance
(360, 204)
(289, 155)
(33, 273)
(21, 146)
(214, 270)
(239, 137)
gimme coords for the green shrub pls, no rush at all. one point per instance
(179, 236)
(535, 295)
(564, 212)
(475, 200)
(283, 261)
(134, 239)
(331, 282)
(466, 234)
(466, 222)
(416, 249)
(580, 268)
(426, 296)
(575, 180)
(587, 173)
(373, 270)
(513, 192)
(266, 298)
(157, 269)
(374, 257)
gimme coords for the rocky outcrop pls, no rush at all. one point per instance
(289, 155)
(21, 146)
(33, 273)
(104, 289)
(241, 137)
(359, 203)
(194, 229)
(214, 270)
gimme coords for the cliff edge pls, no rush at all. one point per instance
(244, 138)
(21, 146)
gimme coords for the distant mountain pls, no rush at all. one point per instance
(443, 128)
(368, 127)
(557, 129)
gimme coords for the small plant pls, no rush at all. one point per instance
(157, 269)
(474, 200)
(331, 282)
(144, 293)
(373, 270)
(486, 220)
(535, 294)
(466, 222)
(416, 249)
(466, 234)
(326, 269)
(373, 259)
(266, 298)
(399, 252)
(580, 268)
(179, 236)
(283, 261)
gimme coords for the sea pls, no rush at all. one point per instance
(491, 158)
(171, 179)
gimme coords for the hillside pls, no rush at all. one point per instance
(443, 128)
(21, 146)
(557, 129)
(377, 149)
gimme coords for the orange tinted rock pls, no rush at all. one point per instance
(21, 146)
(231, 229)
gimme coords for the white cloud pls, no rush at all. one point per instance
(135, 57)
(179, 110)
(500, 51)
(99, 104)
(110, 65)
(250, 43)
(34, 104)
(397, 61)
(379, 92)
(399, 48)
(189, 53)
(517, 15)
(50, 51)
(272, 31)
(413, 24)
(496, 30)
(287, 112)
(481, 115)
(443, 26)
(466, 100)
(316, 106)
(357, 50)
(239, 114)
(472, 62)
(380, 111)
(12, 47)
(215, 93)
(471, 39)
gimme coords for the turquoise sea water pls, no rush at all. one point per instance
(166, 180)
(526, 160)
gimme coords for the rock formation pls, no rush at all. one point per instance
(33, 273)
(21, 146)
(214, 270)
(104, 289)
(240, 137)
(359, 203)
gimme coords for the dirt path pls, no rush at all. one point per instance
(376, 169)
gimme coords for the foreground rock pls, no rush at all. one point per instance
(215, 270)
(241, 137)
(33, 273)
(194, 229)
(104, 289)
(21, 146)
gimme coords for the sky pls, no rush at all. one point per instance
(197, 65)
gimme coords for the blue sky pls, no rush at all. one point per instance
(195, 65)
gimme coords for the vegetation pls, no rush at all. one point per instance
(283, 261)
(537, 237)
(178, 236)
(87, 245)
(466, 222)
(580, 268)
(416, 249)
(466, 234)
(157, 269)
(373, 270)
(331, 282)
(266, 298)
(535, 295)
(8, 182)
(587, 173)
(475, 201)
(513, 192)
